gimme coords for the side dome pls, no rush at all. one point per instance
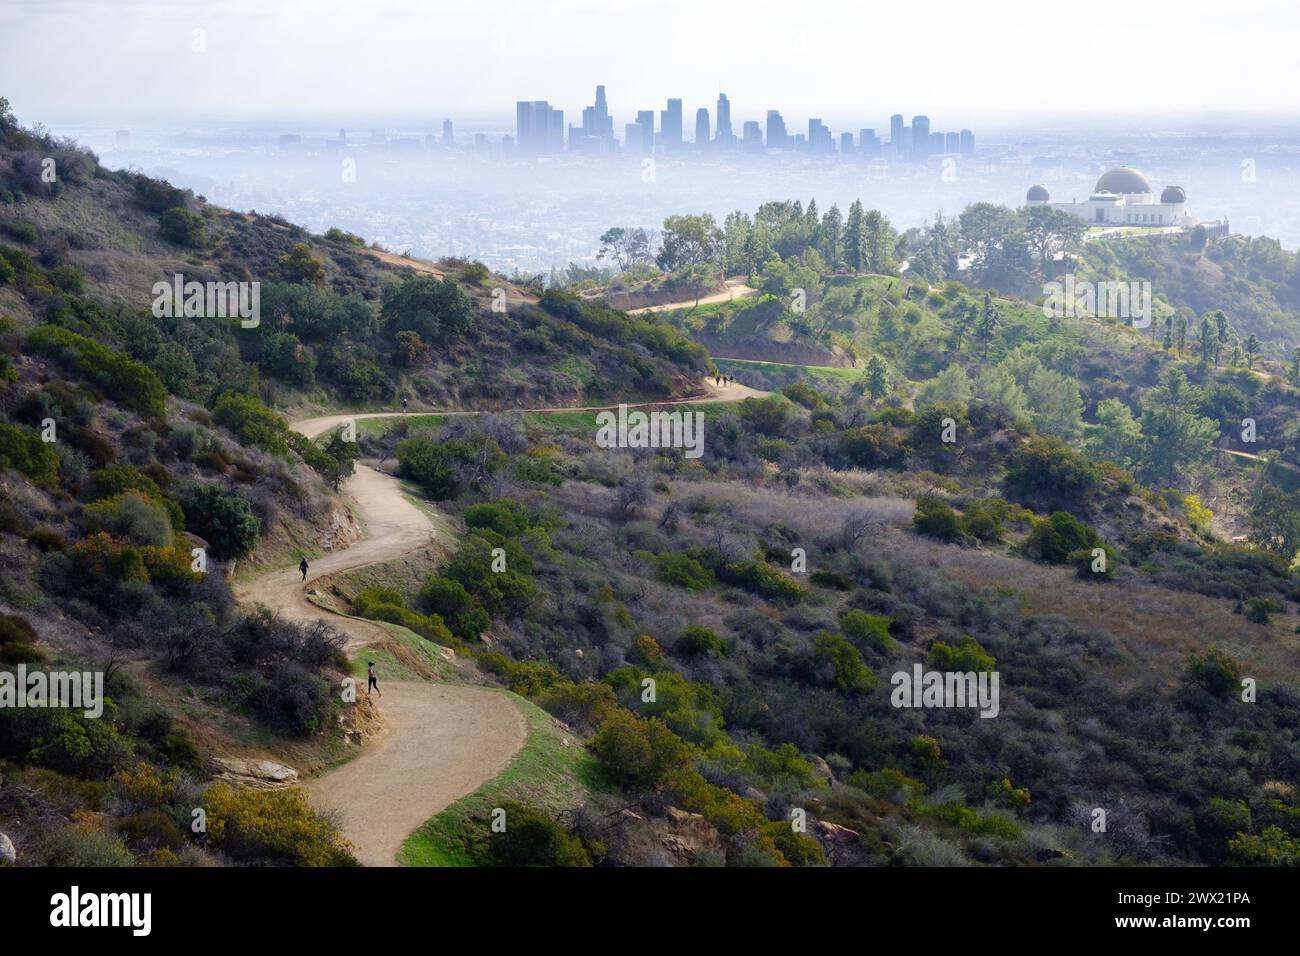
(1173, 195)
(1037, 194)
(1123, 181)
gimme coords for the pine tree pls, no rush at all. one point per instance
(877, 376)
(1253, 348)
(832, 238)
(990, 322)
(853, 237)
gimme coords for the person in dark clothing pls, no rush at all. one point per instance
(303, 568)
(372, 682)
(404, 401)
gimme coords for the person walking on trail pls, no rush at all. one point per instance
(303, 568)
(404, 401)
(372, 682)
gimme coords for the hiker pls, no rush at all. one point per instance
(303, 568)
(404, 401)
(372, 682)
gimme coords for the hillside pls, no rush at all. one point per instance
(710, 647)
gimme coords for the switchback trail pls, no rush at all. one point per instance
(440, 741)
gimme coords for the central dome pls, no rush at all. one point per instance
(1122, 180)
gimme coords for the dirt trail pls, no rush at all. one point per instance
(736, 289)
(440, 741)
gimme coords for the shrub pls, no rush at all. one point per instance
(299, 265)
(450, 601)
(225, 521)
(438, 309)
(505, 517)
(22, 450)
(252, 422)
(935, 519)
(123, 378)
(847, 670)
(86, 844)
(131, 516)
(1055, 538)
(182, 227)
(965, 655)
(1215, 673)
(17, 641)
(639, 753)
(869, 630)
(699, 641)
(762, 579)
(1047, 472)
(531, 838)
(684, 572)
(278, 826)
(1258, 609)
(1085, 561)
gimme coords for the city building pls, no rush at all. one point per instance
(920, 136)
(777, 137)
(701, 127)
(670, 125)
(752, 136)
(725, 135)
(819, 137)
(967, 143)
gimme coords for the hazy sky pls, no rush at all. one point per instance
(138, 60)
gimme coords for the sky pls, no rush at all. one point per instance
(123, 61)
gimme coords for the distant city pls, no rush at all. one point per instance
(539, 129)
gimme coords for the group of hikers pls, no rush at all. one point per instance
(724, 380)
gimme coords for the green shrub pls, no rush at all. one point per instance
(531, 838)
(277, 826)
(1214, 672)
(1056, 537)
(22, 450)
(935, 519)
(684, 572)
(965, 655)
(86, 844)
(699, 642)
(505, 517)
(225, 521)
(848, 671)
(17, 641)
(1258, 609)
(123, 378)
(639, 753)
(131, 516)
(252, 422)
(762, 579)
(867, 630)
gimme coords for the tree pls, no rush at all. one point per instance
(1175, 437)
(831, 238)
(438, 309)
(1222, 329)
(990, 322)
(965, 319)
(1054, 403)
(1051, 231)
(1209, 339)
(854, 234)
(737, 233)
(877, 377)
(689, 241)
(877, 243)
(1293, 371)
(1275, 518)
(1117, 435)
(1253, 349)
(626, 247)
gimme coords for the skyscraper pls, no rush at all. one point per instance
(896, 135)
(725, 134)
(967, 143)
(752, 138)
(448, 140)
(701, 128)
(868, 142)
(920, 136)
(646, 120)
(777, 137)
(670, 125)
(597, 129)
(819, 137)
(846, 143)
(951, 143)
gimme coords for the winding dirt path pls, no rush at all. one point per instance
(440, 741)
